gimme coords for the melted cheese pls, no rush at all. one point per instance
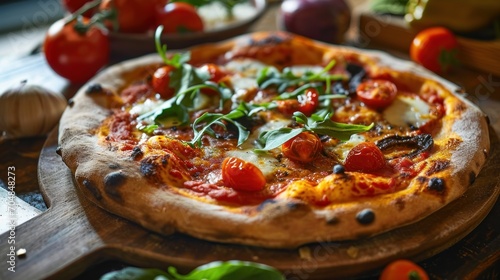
(148, 106)
(265, 162)
(341, 150)
(245, 67)
(405, 111)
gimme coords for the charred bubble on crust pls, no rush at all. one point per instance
(92, 189)
(136, 153)
(420, 143)
(365, 216)
(71, 102)
(112, 182)
(94, 88)
(148, 168)
(59, 150)
(265, 203)
(437, 166)
(472, 177)
(436, 184)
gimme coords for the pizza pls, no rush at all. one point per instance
(272, 140)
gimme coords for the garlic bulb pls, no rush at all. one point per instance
(29, 110)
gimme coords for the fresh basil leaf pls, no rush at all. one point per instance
(230, 270)
(133, 273)
(274, 138)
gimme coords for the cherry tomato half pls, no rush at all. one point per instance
(403, 270)
(134, 16)
(161, 81)
(74, 56)
(305, 103)
(179, 17)
(365, 157)
(217, 75)
(303, 147)
(377, 94)
(242, 175)
(434, 48)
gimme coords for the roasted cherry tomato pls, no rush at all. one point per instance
(403, 270)
(179, 17)
(303, 147)
(308, 101)
(242, 175)
(305, 103)
(377, 94)
(161, 81)
(217, 75)
(73, 55)
(435, 48)
(365, 157)
(134, 16)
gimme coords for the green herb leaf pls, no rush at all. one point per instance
(149, 129)
(177, 59)
(274, 138)
(133, 273)
(230, 270)
(209, 119)
(318, 123)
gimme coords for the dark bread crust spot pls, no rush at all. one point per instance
(112, 183)
(91, 187)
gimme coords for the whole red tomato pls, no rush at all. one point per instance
(134, 16)
(403, 270)
(435, 48)
(73, 55)
(179, 17)
(73, 5)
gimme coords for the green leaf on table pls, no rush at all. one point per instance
(230, 270)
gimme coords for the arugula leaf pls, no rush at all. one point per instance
(134, 273)
(318, 123)
(230, 270)
(274, 138)
(209, 119)
(270, 76)
(177, 59)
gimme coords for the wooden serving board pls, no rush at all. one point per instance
(74, 234)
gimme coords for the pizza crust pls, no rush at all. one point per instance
(116, 184)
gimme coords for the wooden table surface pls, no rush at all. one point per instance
(476, 256)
